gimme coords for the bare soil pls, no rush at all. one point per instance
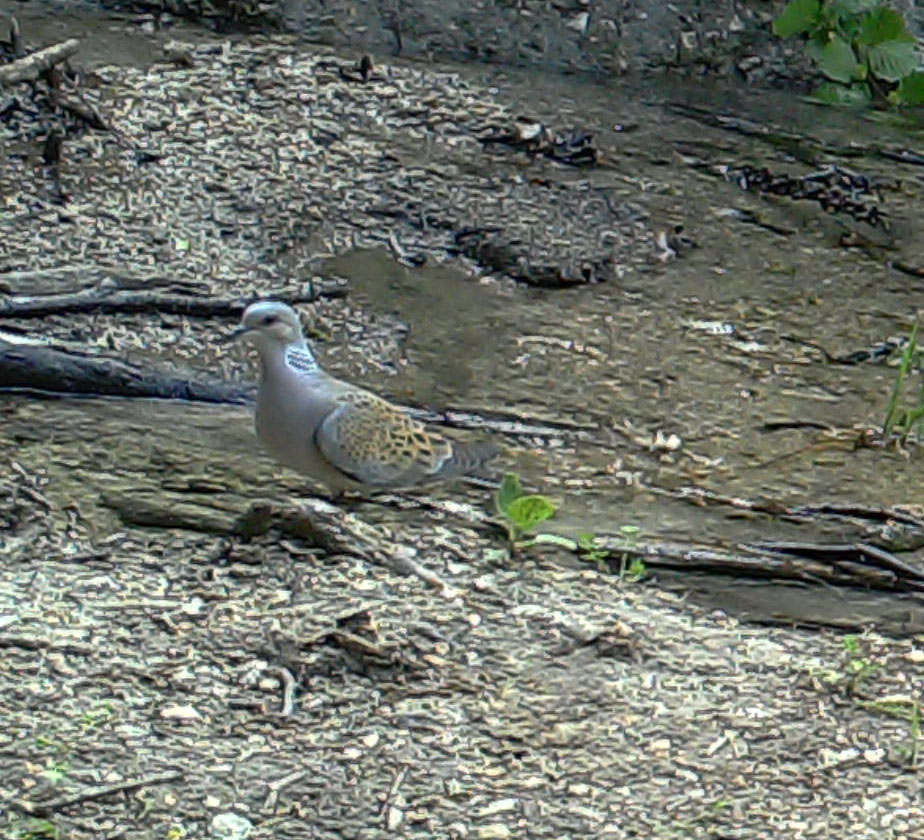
(188, 636)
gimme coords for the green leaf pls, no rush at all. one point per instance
(636, 570)
(585, 541)
(813, 49)
(910, 90)
(892, 60)
(36, 829)
(798, 17)
(844, 95)
(884, 24)
(510, 490)
(838, 61)
(527, 512)
(844, 8)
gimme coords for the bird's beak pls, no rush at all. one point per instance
(234, 335)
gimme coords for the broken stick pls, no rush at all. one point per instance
(32, 66)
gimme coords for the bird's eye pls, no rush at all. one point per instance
(269, 319)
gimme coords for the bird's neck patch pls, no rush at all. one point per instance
(301, 360)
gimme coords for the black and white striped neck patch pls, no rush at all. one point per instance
(301, 360)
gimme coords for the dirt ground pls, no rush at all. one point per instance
(184, 655)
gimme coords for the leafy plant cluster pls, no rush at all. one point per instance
(854, 675)
(521, 513)
(863, 47)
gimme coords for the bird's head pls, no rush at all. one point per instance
(269, 322)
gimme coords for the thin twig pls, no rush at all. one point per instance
(387, 805)
(401, 561)
(269, 804)
(46, 809)
(288, 691)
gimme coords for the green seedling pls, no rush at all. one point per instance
(521, 512)
(902, 708)
(591, 551)
(631, 571)
(904, 421)
(863, 47)
(855, 668)
(634, 570)
(56, 772)
(95, 717)
(34, 829)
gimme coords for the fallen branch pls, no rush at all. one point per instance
(47, 281)
(44, 369)
(859, 554)
(838, 565)
(385, 812)
(109, 298)
(337, 532)
(47, 809)
(81, 109)
(32, 66)
(316, 521)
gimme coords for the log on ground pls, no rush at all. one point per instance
(49, 370)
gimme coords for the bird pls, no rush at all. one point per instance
(342, 436)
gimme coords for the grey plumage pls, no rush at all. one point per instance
(341, 435)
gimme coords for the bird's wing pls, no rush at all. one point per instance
(375, 443)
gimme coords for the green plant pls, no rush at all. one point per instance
(634, 570)
(34, 828)
(521, 512)
(862, 46)
(854, 669)
(902, 708)
(589, 550)
(95, 717)
(904, 420)
(914, 721)
(55, 771)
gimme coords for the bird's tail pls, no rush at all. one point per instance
(468, 459)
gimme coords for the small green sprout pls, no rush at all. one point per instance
(635, 571)
(522, 512)
(855, 668)
(56, 772)
(592, 552)
(35, 828)
(904, 421)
